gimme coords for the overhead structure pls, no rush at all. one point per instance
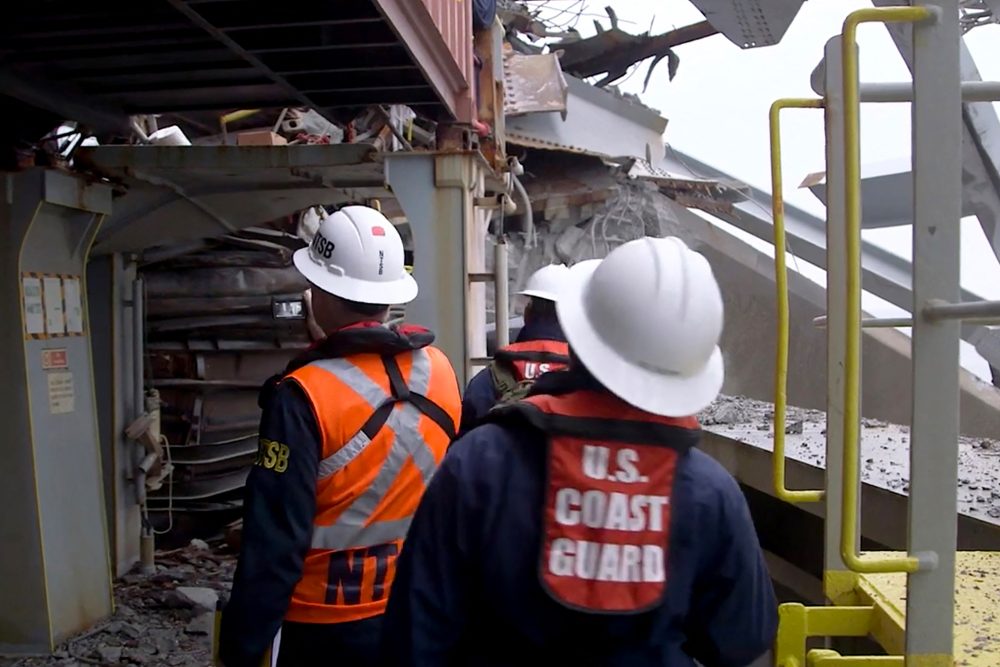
(74, 489)
(99, 62)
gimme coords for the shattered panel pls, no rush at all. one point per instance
(533, 84)
(750, 23)
(709, 195)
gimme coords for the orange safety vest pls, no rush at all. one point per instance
(385, 423)
(529, 359)
(606, 518)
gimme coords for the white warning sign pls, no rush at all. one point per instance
(62, 394)
(55, 320)
(34, 311)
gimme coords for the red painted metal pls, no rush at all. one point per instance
(438, 34)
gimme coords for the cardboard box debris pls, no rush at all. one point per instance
(260, 138)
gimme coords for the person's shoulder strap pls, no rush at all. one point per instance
(402, 392)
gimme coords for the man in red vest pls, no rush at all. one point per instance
(582, 525)
(540, 347)
(350, 435)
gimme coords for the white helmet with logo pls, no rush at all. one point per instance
(546, 282)
(646, 322)
(357, 254)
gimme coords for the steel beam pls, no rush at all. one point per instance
(836, 306)
(638, 130)
(900, 91)
(980, 138)
(883, 274)
(937, 210)
(96, 114)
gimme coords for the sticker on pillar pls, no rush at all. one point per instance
(34, 311)
(62, 395)
(74, 305)
(52, 294)
(55, 359)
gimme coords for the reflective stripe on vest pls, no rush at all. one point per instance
(352, 529)
(531, 358)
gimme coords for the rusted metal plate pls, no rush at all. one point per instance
(533, 84)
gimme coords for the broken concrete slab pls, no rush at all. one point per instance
(110, 655)
(202, 624)
(199, 598)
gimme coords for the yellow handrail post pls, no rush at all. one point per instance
(852, 358)
(781, 287)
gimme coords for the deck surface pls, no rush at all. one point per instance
(977, 608)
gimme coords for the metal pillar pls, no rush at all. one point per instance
(937, 209)
(437, 195)
(109, 280)
(836, 308)
(55, 567)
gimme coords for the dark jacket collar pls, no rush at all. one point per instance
(364, 338)
(541, 330)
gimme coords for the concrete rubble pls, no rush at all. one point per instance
(583, 209)
(166, 618)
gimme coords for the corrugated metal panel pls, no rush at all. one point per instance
(199, 304)
(438, 34)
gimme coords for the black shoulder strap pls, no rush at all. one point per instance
(615, 430)
(400, 393)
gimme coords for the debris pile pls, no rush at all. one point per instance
(166, 618)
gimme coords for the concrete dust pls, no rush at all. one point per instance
(885, 449)
(166, 618)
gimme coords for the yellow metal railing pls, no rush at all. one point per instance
(798, 622)
(852, 356)
(234, 116)
(781, 287)
(828, 658)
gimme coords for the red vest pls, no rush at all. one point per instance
(606, 520)
(529, 359)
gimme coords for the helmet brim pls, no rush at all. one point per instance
(382, 293)
(646, 389)
(538, 294)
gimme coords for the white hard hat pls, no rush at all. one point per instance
(546, 282)
(646, 323)
(582, 269)
(357, 254)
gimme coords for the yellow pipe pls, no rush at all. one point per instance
(781, 286)
(852, 223)
(234, 116)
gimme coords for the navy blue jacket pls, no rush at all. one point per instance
(279, 507)
(467, 589)
(480, 394)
